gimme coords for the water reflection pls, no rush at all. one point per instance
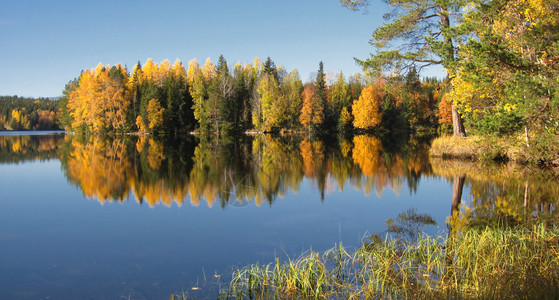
(228, 169)
(20, 148)
(236, 170)
(500, 194)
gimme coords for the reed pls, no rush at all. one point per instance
(491, 262)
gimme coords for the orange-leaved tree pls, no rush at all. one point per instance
(312, 112)
(366, 114)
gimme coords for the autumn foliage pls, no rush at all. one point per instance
(262, 97)
(445, 111)
(17, 113)
(366, 114)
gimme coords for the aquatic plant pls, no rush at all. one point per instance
(490, 262)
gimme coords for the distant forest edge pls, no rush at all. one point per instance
(19, 113)
(259, 97)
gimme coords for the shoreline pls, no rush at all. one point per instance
(494, 149)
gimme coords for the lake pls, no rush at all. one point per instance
(140, 217)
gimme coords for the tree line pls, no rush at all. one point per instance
(20, 113)
(260, 97)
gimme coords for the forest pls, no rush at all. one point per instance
(258, 97)
(17, 113)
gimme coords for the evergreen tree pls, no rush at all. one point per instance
(270, 69)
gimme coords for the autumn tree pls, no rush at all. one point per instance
(510, 68)
(312, 111)
(199, 93)
(365, 110)
(101, 100)
(418, 33)
(291, 89)
(155, 115)
(445, 112)
(273, 112)
(256, 72)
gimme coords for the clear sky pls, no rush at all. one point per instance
(44, 44)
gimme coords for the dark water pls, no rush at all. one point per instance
(141, 218)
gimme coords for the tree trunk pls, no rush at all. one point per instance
(457, 187)
(457, 123)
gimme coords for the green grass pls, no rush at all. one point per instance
(485, 263)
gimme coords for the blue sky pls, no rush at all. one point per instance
(44, 44)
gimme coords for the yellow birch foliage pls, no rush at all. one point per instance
(193, 68)
(81, 101)
(164, 70)
(150, 70)
(209, 70)
(366, 112)
(101, 101)
(155, 114)
(178, 69)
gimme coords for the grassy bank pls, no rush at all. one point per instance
(478, 148)
(474, 263)
(488, 148)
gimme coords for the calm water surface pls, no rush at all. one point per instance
(141, 218)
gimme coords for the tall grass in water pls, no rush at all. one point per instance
(484, 263)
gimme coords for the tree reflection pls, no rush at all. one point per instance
(101, 168)
(228, 169)
(20, 148)
(503, 195)
(265, 168)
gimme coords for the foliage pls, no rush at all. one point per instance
(273, 112)
(508, 72)
(366, 114)
(421, 33)
(166, 98)
(312, 112)
(17, 113)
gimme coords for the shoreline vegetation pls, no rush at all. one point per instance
(484, 149)
(485, 263)
(496, 258)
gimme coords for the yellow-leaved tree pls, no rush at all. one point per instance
(365, 110)
(155, 114)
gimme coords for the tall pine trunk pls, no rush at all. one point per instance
(457, 122)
